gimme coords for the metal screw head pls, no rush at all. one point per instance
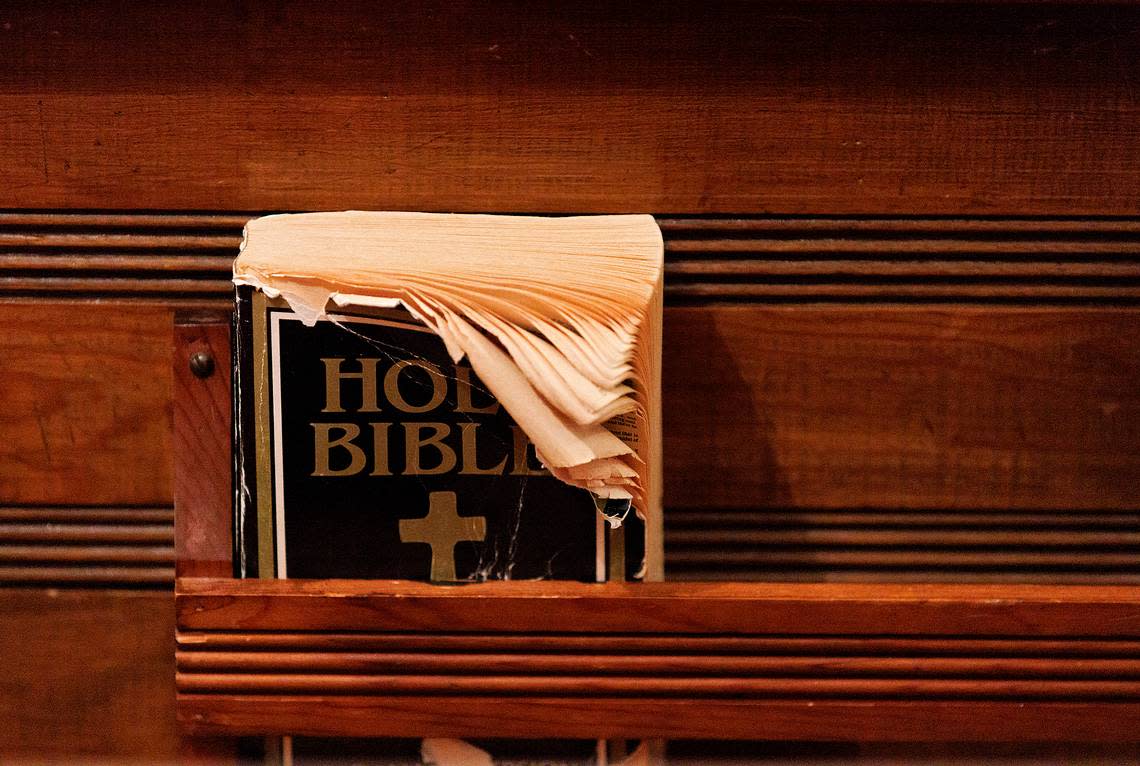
(202, 364)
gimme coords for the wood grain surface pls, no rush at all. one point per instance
(902, 279)
(902, 407)
(675, 107)
(203, 472)
(87, 398)
(86, 676)
(672, 608)
(758, 658)
(767, 719)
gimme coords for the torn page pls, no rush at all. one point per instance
(560, 317)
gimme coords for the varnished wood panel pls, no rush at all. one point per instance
(728, 107)
(765, 406)
(672, 608)
(685, 664)
(684, 108)
(203, 435)
(86, 415)
(902, 407)
(252, 653)
(86, 676)
(829, 720)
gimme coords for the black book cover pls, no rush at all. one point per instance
(362, 451)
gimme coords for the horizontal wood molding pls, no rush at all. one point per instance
(87, 546)
(797, 657)
(650, 608)
(634, 717)
(217, 649)
(894, 260)
(134, 546)
(567, 669)
(184, 259)
(932, 108)
(177, 259)
(911, 545)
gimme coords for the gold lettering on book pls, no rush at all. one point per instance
(367, 377)
(415, 443)
(471, 454)
(396, 397)
(325, 445)
(380, 449)
(429, 448)
(442, 529)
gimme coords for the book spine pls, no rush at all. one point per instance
(245, 555)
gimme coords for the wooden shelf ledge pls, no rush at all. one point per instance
(736, 660)
(671, 608)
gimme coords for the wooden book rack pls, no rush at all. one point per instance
(818, 661)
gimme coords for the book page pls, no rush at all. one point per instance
(559, 317)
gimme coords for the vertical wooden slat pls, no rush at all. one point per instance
(202, 424)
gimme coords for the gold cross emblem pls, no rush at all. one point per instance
(442, 528)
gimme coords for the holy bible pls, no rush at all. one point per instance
(451, 398)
